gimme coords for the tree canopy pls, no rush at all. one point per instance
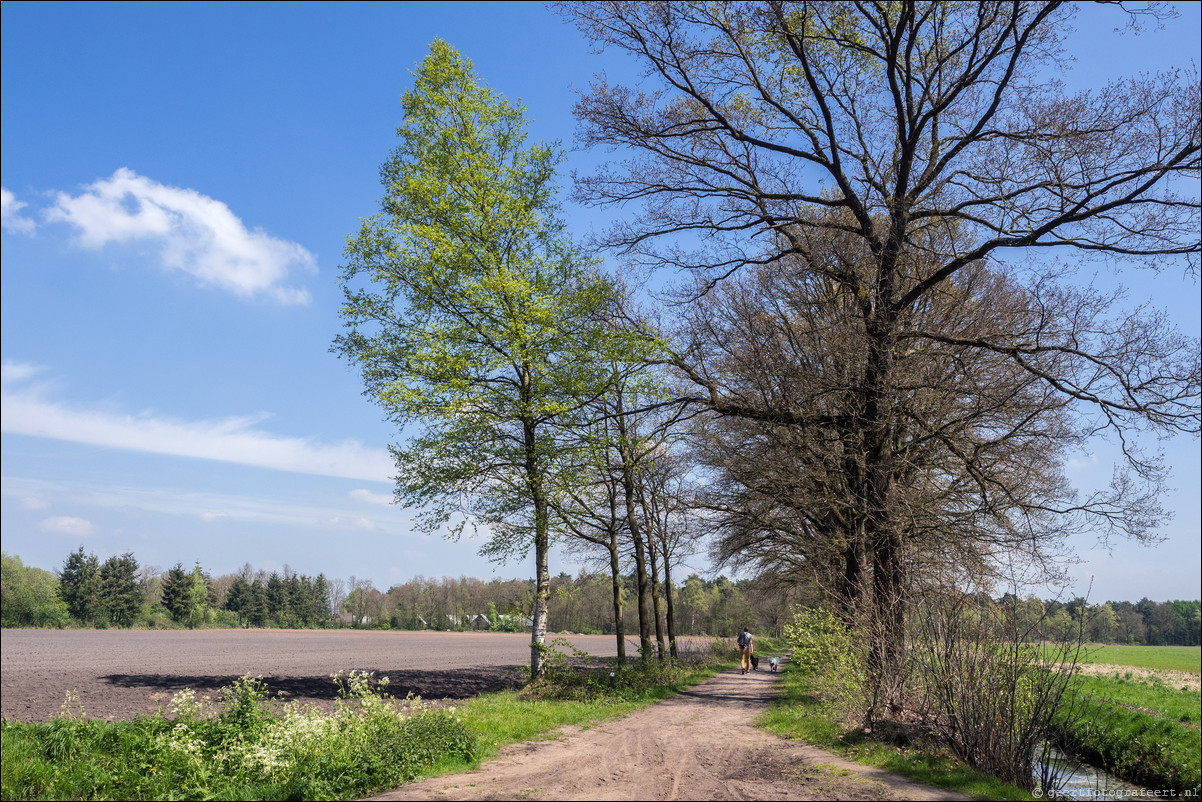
(468, 311)
(900, 161)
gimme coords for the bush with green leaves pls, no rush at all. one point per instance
(251, 748)
(29, 596)
(825, 648)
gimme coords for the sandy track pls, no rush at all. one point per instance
(702, 744)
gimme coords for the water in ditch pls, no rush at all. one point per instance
(1082, 781)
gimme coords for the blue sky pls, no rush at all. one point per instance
(179, 181)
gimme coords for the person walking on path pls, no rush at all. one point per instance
(744, 641)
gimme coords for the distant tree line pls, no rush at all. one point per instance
(1168, 623)
(581, 604)
(119, 592)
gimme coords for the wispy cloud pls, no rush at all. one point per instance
(195, 234)
(210, 508)
(11, 218)
(1082, 461)
(28, 411)
(383, 499)
(64, 525)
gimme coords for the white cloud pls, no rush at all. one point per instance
(27, 411)
(34, 503)
(12, 372)
(211, 508)
(383, 499)
(196, 234)
(65, 525)
(10, 214)
(1082, 462)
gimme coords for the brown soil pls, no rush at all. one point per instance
(702, 744)
(121, 673)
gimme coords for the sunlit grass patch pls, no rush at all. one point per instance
(1170, 658)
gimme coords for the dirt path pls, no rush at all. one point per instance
(701, 744)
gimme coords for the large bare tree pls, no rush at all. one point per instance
(932, 137)
(979, 442)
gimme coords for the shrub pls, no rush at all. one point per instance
(987, 691)
(825, 648)
(251, 749)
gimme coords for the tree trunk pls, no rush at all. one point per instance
(650, 513)
(616, 574)
(887, 660)
(655, 602)
(632, 521)
(542, 572)
(640, 565)
(852, 581)
(671, 609)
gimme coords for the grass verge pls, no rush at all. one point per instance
(798, 714)
(246, 747)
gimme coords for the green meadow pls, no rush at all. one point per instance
(1157, 658)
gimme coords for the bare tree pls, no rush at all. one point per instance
(615, 434)
(929, 136)
(667, 498)
(588, 507)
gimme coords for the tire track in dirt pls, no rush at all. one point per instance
(700, 745)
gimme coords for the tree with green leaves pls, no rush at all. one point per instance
(177, 588)
(199, 596)
(119, 592)
(238, 597)
(467, 310)
(29, 596)
(255, 609)
(79, 585)
(279, 604)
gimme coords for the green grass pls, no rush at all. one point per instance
(798, 714)
(1159, 658)
(1140, 729)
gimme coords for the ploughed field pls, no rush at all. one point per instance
(121, 673)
